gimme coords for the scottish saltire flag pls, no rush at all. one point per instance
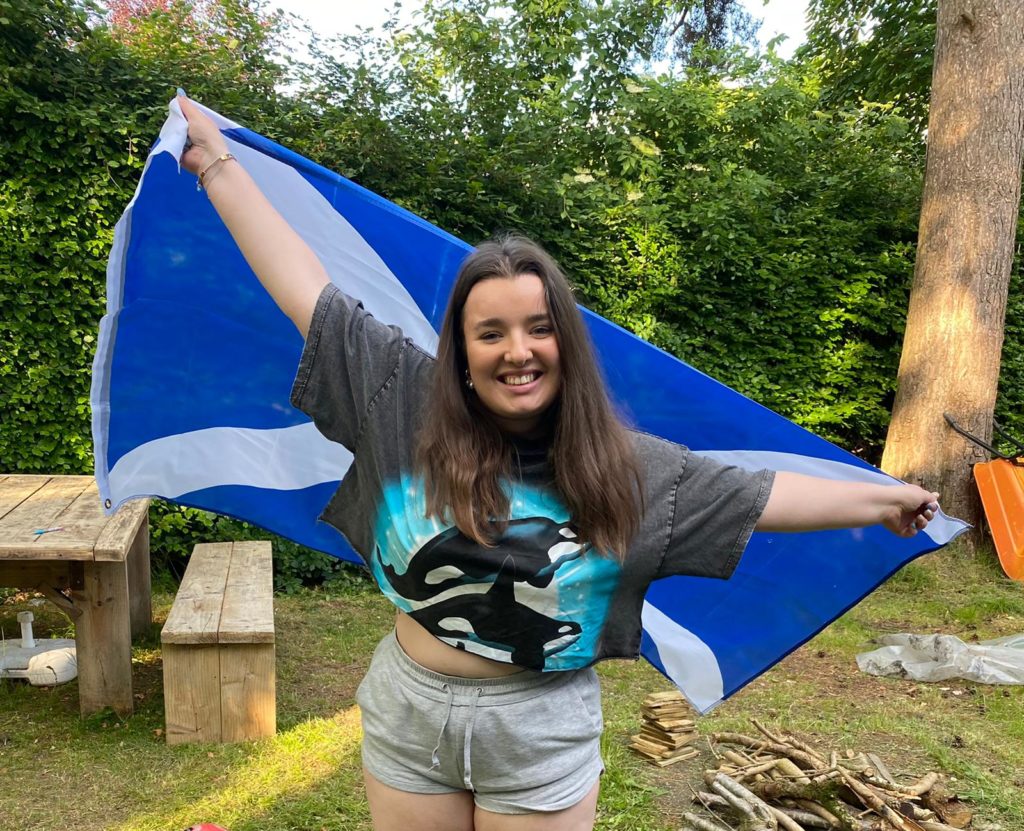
(195, 365)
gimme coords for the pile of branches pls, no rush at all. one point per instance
(779, 783)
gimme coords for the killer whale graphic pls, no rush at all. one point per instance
(530, 551)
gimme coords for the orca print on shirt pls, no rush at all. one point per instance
(538, 598)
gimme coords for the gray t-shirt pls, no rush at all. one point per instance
(538, 598)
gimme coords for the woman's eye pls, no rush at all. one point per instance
(542, 331)
(490, 336)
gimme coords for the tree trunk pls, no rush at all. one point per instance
(954, 335)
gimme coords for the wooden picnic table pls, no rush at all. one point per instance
(95, 568)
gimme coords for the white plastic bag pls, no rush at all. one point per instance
(940, 657)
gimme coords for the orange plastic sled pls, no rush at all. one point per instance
(1001, 485)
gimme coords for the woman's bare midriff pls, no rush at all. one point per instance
(429, 652)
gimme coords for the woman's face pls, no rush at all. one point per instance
(512, 350)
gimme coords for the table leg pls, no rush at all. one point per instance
(139, 584)
(103, 638)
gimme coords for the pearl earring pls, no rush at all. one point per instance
(469, 381)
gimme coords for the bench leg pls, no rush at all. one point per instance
(103, 638)
(247, 695)
(139, 585)
(192, 693)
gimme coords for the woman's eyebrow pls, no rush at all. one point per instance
(497, 322)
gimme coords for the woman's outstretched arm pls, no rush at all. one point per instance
(807, 503)
(284, 264)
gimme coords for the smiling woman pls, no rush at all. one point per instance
(509, 515)
(515, 361)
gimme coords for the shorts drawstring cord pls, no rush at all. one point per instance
(435, 760)
(466, 763)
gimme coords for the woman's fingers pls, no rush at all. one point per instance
(207, 143)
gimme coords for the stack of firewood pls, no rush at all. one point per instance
(780, 782)
(665, 734)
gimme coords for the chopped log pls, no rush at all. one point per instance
(806, 748)
(883, 771)
(735, 793)
(801, 818)
(671, 740)
(871, 799)
(788, 768)
(807, 819)
(738, 759)
(714, 800)
(948, 807)
(683, 755)
(668, 695)
(810, 762)
(640, 744)
(692, 822)
(757, 771)
(787, 789)
(820, 810)
(674, 713)
(922, 786)
(784, 820)
(672, 724)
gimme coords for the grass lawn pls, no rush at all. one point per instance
(60, 772)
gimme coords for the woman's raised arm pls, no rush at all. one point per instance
(807, 503)
(284, 264)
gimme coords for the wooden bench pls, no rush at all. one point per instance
(218, 647)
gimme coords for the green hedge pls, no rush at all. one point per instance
(744, 227)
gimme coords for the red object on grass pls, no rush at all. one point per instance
(206, 826)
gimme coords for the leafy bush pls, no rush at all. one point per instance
(736, 218)
(174, 531)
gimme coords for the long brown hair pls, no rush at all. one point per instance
(462, 453)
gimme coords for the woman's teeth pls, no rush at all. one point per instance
(519, 380)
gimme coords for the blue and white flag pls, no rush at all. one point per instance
(195, 364)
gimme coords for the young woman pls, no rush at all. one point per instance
(508, 514)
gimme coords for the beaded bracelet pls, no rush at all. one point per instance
(201, 182)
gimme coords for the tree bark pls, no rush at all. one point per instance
(954, 334)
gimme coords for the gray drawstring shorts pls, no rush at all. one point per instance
(522, 743)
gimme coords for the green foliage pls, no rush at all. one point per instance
(1010, 401)
(766, 242)
(741, 227)
(754, 218)
(73, 119)
(175, 531)
(79, 108)
(875, 50)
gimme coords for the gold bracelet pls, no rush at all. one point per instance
(201, 183)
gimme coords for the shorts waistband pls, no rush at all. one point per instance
(491, 691)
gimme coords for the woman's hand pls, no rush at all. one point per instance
(286, 266)
(207, 141)
(911, 510)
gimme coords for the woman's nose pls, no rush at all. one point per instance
(518, 351)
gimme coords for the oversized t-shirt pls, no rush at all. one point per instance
(538, 598)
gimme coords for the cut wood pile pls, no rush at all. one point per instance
(665, 735)
(776, 782)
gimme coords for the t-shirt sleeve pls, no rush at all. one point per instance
(715, 510)
(348, 358)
